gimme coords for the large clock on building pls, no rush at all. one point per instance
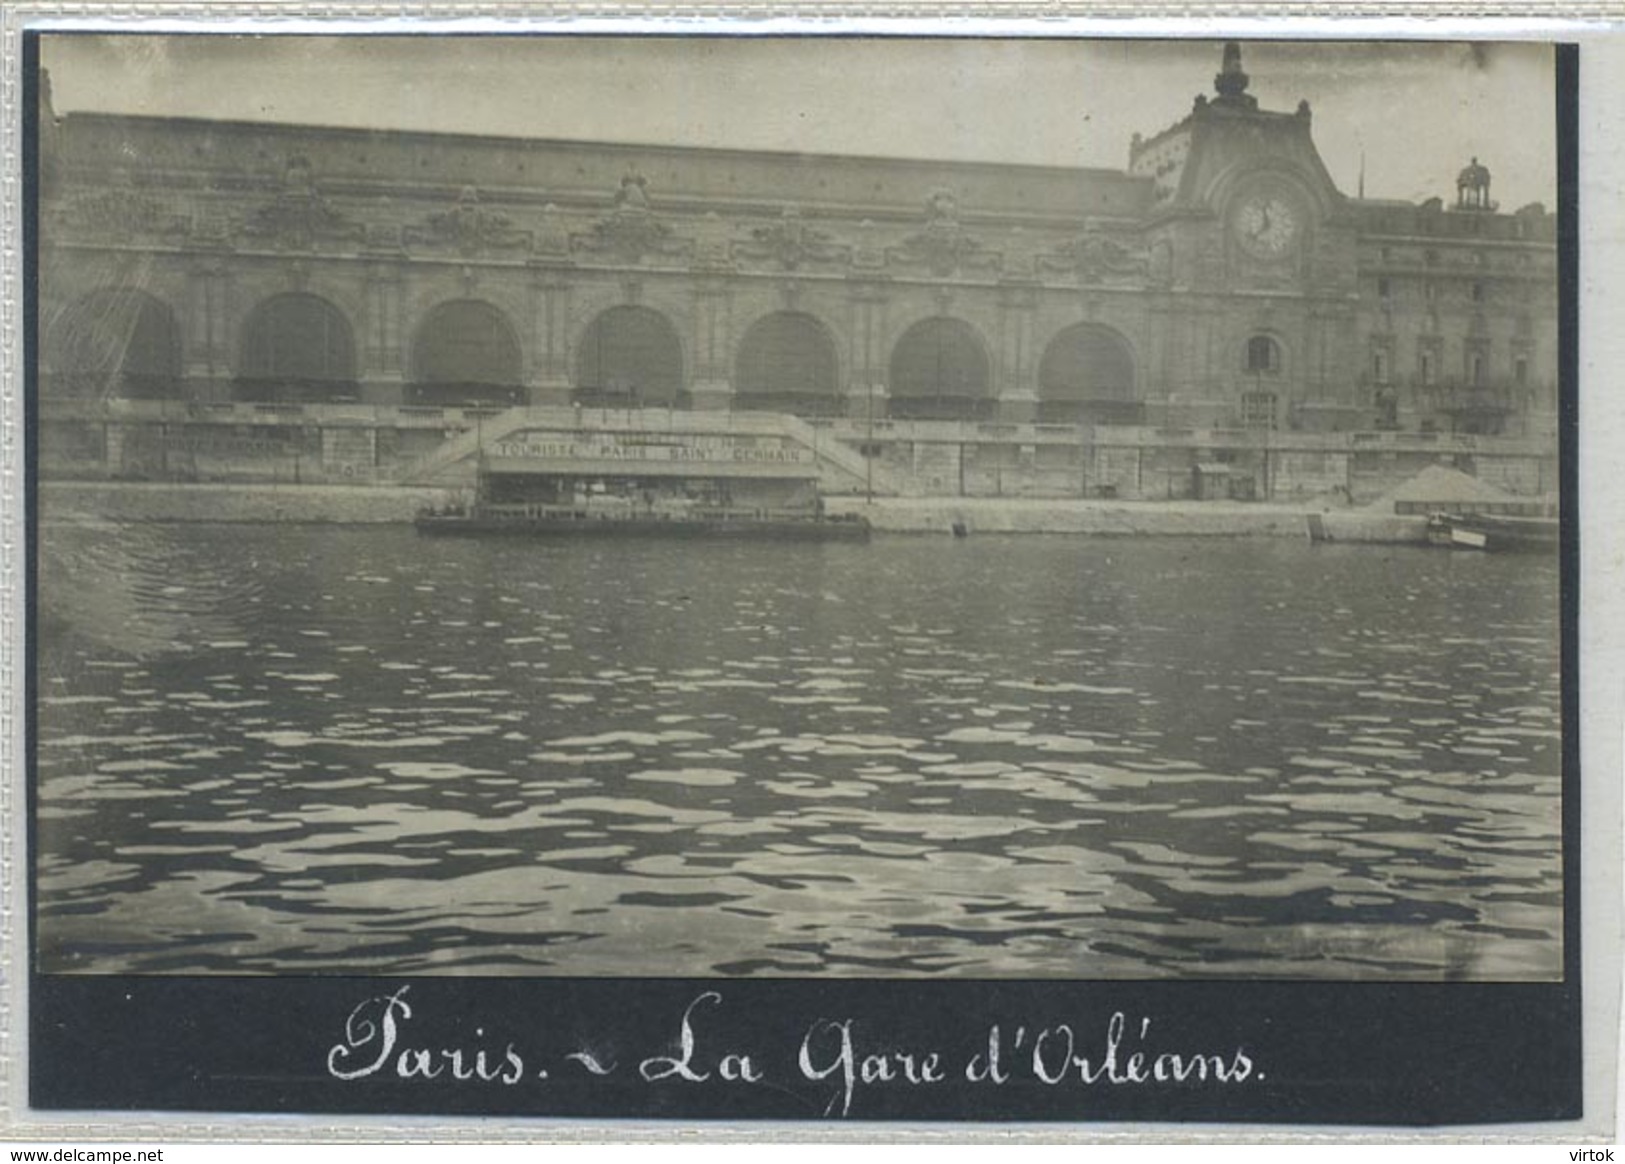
(1267, 224)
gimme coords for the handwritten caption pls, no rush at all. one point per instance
(838, 1054)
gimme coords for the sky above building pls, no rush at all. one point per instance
(1412, 114)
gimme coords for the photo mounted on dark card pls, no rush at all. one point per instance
(802, 578)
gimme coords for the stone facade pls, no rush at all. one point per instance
(1220, 282)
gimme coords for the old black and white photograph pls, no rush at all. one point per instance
(655, 507)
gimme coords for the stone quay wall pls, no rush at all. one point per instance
(68, 501)
(361, 445)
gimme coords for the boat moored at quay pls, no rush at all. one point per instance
(645, 474)
(1496, 533)
(567, 522)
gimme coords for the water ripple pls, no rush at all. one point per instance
(984, 758)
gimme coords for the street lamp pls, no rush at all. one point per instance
(1269, 427)
(479, 449)
(869, 450)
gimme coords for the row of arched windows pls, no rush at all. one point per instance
(299, 347)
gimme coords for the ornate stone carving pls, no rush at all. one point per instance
(790, 242)
(211, 229)
(299, 217)
(867, 254)
(1020, 259)
(469, 228)
(941, 251)
(631, 230)
(633, 194)
(630, 237)
(120, 213)
(943, 246)
(712, 248)
(1098, 258)
(553, 237)
(384, 237)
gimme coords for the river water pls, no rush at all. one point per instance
(321, 749)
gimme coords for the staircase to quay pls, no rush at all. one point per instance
(454, 463)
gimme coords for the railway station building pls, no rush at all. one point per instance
(217, 298)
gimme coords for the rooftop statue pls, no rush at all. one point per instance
(633, 194)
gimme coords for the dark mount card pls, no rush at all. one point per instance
(749, 1050)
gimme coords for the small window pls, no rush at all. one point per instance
(1476, 370)
(1385, 288)
(1427, 368)
(1379, 366)
(1520, 371)
(1478, 291)
(1263, 354)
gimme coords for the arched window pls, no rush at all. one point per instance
(297, 348)
(466, 353)
(1087, 376)
(788, 363)
(939, 371)
(1263, 354)
(630, 357)
(115, 343)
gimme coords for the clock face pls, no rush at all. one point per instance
(1267, 225)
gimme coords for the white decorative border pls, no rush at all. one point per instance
(1597, 25)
